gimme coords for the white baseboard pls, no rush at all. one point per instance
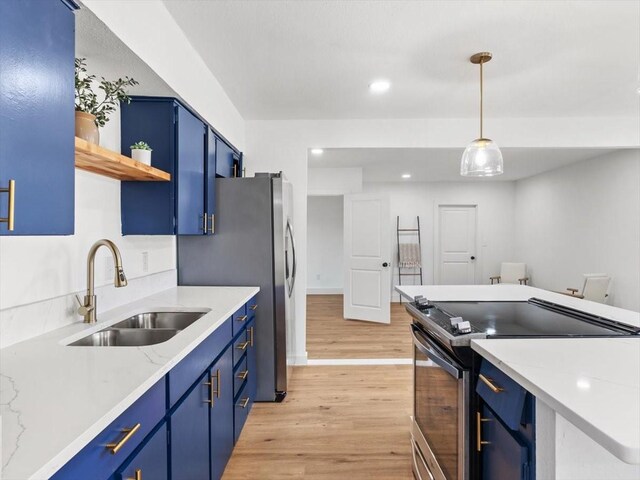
(297, 359)
(324, 291)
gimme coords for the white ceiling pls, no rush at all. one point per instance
(292, 59)
(443, 164)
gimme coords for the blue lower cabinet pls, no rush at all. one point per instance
(505, 455)
(151, 461)
(189, 429)
(221, 415)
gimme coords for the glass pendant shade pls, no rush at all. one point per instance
(482, 158)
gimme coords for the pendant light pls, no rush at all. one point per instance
(482, 158)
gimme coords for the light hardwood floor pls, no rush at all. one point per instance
(337, 422)
(329, 335)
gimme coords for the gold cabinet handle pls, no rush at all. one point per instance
(242, 346)
(211, 392)
(11, 206)
(205, 218)
(235, 168)
(214, 388)
(242, 375)
(251, 336)
(212, 228)
(217, 389)
(479, 441)
(253, 307)
(244, 402)
(115, 447)
(489, 382)
(137, 475)
(242, 318)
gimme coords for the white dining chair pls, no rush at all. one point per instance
(595, 287)
(514, 273)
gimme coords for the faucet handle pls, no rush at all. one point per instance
(83, 309)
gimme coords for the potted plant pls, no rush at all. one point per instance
(91, 113)
(141, 152)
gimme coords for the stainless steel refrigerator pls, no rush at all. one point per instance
(253, 244)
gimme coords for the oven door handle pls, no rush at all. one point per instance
(433, 354)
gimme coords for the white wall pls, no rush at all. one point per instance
(283, 145)
(334, 181)
(325, 226)
(584, 218)
(495, 201)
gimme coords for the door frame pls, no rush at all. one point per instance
(436, 240)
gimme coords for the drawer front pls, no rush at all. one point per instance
(97, 460)
(240, 347)
(151, 461)
(240, 375)
(182, 376)
(241, 409)
(252, 307)
(504, 396)
(240, 319)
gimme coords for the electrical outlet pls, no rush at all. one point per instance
(145, 262)
(317, 276)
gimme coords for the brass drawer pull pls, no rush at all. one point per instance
(251, 336)
(253, 307)
(242, 318)
(214, 389)
(137, 475)
(479, 441)
(115, 447)
(242, 346)
(242, 375)
(11, 206)
(204, 228)
(244, 402)
(212, 228)
(489, 382)
(217, 389)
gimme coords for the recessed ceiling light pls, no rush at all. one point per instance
(406, 175)
(317, 151)
(379, 86)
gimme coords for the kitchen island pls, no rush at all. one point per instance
(587, 390)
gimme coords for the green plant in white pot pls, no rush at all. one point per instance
(141, 152)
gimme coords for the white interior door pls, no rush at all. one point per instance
(367, 258)
(456, 245)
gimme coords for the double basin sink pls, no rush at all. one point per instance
(139, 330)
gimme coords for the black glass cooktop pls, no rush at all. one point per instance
(532, 318)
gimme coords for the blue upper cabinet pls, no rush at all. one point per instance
(225, 160)
(210, 187)
(37, 116)
(178, 141)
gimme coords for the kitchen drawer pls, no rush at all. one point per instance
(252, 306)
(241, 409)
(97, 460)
(182, 376)
(152, 461)
(502, 394)
(240, 319)
(240, 346)
(240, 376)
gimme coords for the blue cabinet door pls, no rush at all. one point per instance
(210, 174)
(221, 415)
(191, 161)
(190, 434)
(151, 461)
(37, 115)
(505, 455)
(224, 160)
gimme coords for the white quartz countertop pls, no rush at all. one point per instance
(54, 399)
(592, 382)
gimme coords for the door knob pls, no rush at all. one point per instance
(472, 257)
(385, 264)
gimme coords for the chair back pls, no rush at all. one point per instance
(512, 272)
(596, 287)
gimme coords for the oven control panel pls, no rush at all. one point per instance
(453, 325)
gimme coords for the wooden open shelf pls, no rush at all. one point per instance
(94, 158)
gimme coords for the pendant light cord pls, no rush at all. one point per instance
(481, 62)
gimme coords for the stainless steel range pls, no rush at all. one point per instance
(446, 370)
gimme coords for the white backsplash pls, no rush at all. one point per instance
(27, 321)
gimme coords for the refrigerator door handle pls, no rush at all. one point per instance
(295, 260)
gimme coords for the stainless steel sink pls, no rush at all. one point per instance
(153, 320)
(113, 337)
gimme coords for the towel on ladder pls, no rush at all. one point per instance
(410, 255)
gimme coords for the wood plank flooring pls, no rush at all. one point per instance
(329, 335)
(337, 422)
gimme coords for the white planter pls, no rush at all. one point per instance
(142, 156)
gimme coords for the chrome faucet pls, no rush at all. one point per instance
(88, 307)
